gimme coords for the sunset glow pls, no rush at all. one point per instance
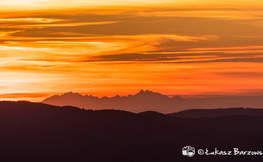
(189, 48)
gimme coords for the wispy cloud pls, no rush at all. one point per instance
(30, 20)
(70, 24)
(230, 14)
(242, 49)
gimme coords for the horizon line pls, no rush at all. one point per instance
(39, 97)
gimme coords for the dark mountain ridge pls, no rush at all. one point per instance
(212, 113)
(40, 132)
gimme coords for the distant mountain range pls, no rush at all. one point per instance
(39, 132)
(148, 100)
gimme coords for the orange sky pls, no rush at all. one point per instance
(115, 47)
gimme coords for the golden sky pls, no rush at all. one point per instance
(103, 47)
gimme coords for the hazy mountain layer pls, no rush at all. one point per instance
(148, 100)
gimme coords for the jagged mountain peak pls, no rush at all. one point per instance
(147, 92)
(71, 94)
(177, 97)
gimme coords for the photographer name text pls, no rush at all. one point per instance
(235, 152)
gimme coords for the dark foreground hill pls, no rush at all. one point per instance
(35, 132)
(211, 113)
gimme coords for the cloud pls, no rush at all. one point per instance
(241, 49)
(179, 58)
(19, 96)
(91, 4)
(137, 25)
(242, 74)
(6, 33)
(218, 60)
(70, 24)
(217, 13)
(30, 20)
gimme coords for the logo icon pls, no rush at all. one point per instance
(188, 151)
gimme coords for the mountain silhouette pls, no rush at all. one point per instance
(211, 113)
(152, 101)
(142, 101)
(39, 132)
